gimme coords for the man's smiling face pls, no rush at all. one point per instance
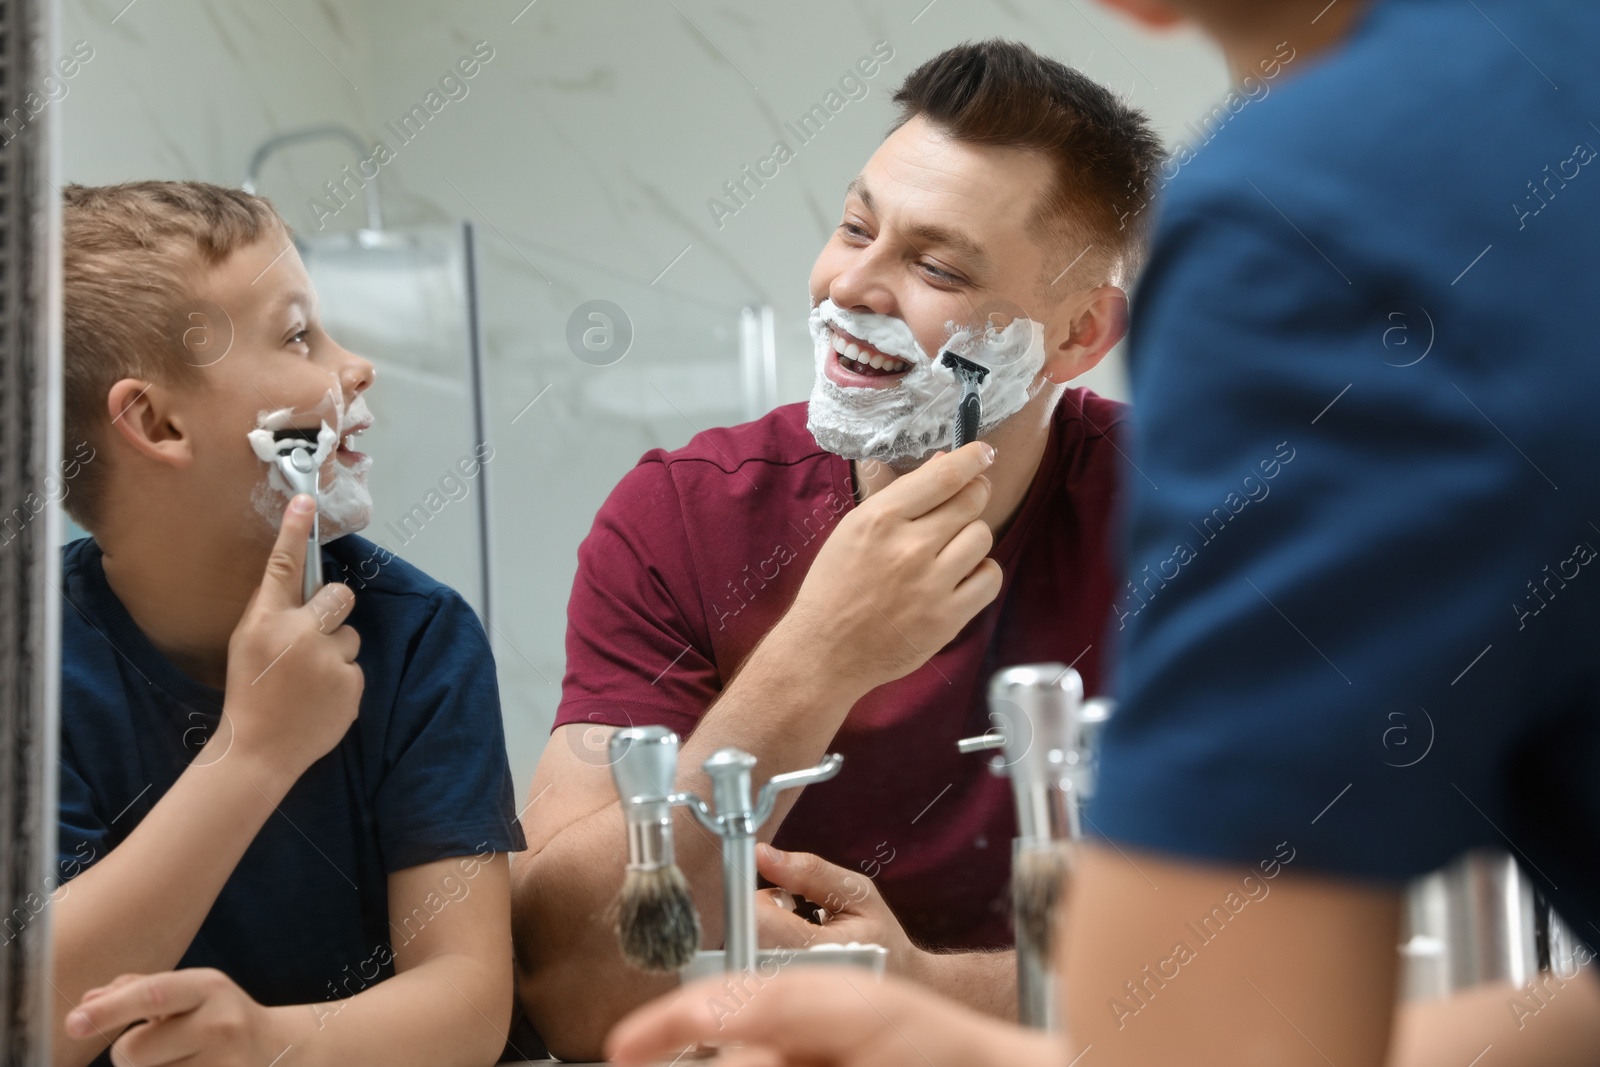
(934, 231)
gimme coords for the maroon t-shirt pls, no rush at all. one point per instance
(698, 552)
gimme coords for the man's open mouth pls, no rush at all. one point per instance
(858, 357)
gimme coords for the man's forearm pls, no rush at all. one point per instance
(137, 909)
(575, 982)
(983, 981)
(783, 706)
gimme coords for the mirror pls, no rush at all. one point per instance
(563, 234)
(593, 154)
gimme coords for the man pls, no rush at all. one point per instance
(827, 581)
(1439, 475)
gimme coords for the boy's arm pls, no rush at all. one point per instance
(293, 690)
(448, 1004)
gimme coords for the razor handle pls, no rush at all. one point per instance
(968, 412)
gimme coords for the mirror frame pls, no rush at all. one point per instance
(31, 391)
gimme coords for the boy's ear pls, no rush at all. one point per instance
(1100, 321)
(141, 412)
(1156, 14)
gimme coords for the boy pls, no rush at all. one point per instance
(1432, 490)
(285, 843)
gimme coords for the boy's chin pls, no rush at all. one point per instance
(332, 531)
(344, 509)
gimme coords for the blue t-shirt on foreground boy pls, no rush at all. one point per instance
(1385, 649)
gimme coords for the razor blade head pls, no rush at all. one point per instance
(299, 470)
(966, 369)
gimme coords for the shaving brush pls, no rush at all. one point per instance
(1037, 709)
(1038, 885)
(657, 925)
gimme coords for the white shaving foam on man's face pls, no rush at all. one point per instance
(916, 415)
(344, 503)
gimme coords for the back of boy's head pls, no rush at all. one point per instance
(134, 257)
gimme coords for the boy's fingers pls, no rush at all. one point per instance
(152, 996)
(672, 1024)
(331, 605)
(115, 983)
(280, 587)
(813, 1017)
(937, 480)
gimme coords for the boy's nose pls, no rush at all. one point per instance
(356, 375)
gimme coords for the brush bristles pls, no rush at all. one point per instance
(1038, 884)
(657, 926)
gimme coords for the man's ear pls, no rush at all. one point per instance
(1100, 322)
(1155, 14)
(141, 412)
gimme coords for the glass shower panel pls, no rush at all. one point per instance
(405, 298)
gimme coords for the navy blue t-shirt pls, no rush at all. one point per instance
(1363, 607)
(421, 776)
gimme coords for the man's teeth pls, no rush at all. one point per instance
(867, 357)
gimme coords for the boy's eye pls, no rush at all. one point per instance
(300, 337)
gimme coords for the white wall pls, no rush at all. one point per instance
(585, 152)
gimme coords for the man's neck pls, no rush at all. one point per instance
(1250, 34)
(1019, 445)
(185, 586)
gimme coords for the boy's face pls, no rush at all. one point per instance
(267, 362)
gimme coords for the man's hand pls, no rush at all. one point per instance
(293, 684)
(900, 575)
(855, 910)
(197, 1014)
(827, 1017)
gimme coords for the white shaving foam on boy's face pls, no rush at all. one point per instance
(344, 503)
(916, 415)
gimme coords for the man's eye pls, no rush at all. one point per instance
(852, 230)
(941, 275)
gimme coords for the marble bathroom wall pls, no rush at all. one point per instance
(590, 148)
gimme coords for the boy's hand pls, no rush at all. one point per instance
(196, 1014)
(902, 574)
(827, 1017)
(293, 684)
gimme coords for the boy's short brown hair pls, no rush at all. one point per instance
(1103, 152)
(133, 257)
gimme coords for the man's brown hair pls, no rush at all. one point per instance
(133, 258)
(1104, 153)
